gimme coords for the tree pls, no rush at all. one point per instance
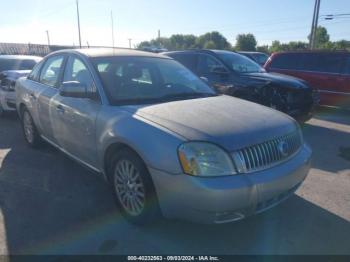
(321, 37)
(246, 42)
(217, 41)
(342, 45)
(275, 46)
(181, 42)
(263, 48)
(143, 44)
(294, 46)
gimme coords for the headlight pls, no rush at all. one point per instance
(205, 159)
(8, 85)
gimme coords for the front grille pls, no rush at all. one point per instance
(267, 154)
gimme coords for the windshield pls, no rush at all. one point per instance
(261, 58)
(240, 63)
(16, 64)
(141, 80)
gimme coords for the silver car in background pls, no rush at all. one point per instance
(13, 67)
(165, 140)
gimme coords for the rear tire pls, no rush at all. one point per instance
(133, 188)
(31, 134)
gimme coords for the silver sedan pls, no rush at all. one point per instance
(162, 137)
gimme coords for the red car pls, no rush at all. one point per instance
(328, 72)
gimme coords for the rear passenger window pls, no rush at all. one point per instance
(322, 62)
(330, 63)
(51, 71)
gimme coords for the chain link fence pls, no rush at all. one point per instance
(34, 49)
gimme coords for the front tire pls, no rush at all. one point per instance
(31, 134)
(133, 188)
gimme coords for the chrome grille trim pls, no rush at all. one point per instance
(267, 154)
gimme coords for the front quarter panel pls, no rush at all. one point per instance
(157, 146)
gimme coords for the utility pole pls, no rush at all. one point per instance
(314, 24)
(159, 38)
(130, 42)
(112, 29)
(78, 23)
(48, 37)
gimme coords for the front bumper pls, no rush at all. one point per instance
(230, 198)
(7, 100)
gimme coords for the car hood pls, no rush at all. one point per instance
(274, 78)
(229, 122)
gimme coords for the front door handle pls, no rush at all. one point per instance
(60, 109)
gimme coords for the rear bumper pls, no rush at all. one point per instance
(8, 100)
(226, 199)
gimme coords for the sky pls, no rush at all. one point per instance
(26, 21)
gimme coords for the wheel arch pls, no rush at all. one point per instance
(111, 150)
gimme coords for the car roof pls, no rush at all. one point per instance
(251, 52)
(20, 57)
(203, 51)
(110, 52)
(313, 52)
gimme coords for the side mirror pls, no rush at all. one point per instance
(220, 70)
(74, 89)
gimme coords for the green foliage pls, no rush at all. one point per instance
(321, 38)
(263, 48)
(212, 40)
(245, 42)
(181, 42)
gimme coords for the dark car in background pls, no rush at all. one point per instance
(329, 72)
(236, 75)
(258, 57)
(13, 67)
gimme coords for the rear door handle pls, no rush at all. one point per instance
(60, 109)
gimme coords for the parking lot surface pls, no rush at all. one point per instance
(51, 205)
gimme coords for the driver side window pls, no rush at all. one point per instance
(77, 71)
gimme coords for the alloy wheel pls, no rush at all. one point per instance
(129, 187)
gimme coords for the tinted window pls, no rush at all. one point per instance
(51, 70)
(188, 60)
(331, 63)
(148, 80)
(260, 58)
(318, 62)
(77, 71)
(207, 63)
(286, 61)
(347, 65)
